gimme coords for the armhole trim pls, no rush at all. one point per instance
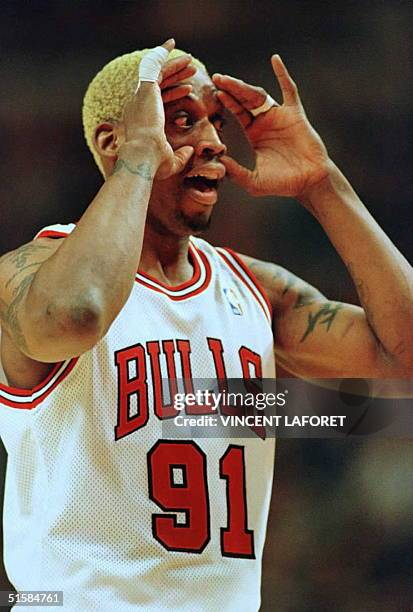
(239, 268)
(27, 399)
(58, 230)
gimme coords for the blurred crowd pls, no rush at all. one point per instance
(341, 529)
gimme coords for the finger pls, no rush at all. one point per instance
(152, 62)
(179, 160)
(169, 44)
(175, 93)
(146, 88)
(182, 157)
(234, 107)
(175, 65)
(179, 76)
(239, 174)
(287, 85)
(250, 96)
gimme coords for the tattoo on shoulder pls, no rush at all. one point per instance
(143, 169)
(325, 315)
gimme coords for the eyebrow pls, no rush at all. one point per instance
(190, 96)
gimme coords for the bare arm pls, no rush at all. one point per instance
(66, 297)
(57, 301)
(382, 276)
(324, 338)
(319, 338)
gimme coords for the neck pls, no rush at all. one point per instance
(165, 257)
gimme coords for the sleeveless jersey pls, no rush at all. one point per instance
(99, 503)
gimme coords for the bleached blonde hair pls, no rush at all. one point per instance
(109, 91)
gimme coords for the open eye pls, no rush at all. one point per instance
(182, 120)
(219, 122)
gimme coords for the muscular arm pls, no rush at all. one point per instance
(56, 302)
(57, 298)
(316, 337)
(319, 338)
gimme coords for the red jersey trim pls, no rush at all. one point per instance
(195, 276)
(252, 277)
(195, 285)
(250, 282)
(27, 399)
(199, 282)
(51, 234)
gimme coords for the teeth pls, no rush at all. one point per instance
(212, 176)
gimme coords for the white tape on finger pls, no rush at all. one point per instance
(151, 65)
(263, 108)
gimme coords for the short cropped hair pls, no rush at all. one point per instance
(109, 91)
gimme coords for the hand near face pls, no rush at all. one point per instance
(144, 116)
(290, 155)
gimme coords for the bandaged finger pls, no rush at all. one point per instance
(151, 65)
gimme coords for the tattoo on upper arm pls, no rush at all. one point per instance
(12, 278)
(143, 169)
(291, 280)
(19, 257)
(20, 261)
(305, 299)
(325, 315)
(10, 312)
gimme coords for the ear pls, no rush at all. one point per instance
(107, 140)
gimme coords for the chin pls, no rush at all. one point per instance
(196, 223)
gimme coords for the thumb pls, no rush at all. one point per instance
(181, 158)
(237, 173)
(175, 162)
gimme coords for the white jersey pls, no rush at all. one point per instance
(99, 503)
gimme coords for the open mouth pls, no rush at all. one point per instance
(202, 189)
(201, 183)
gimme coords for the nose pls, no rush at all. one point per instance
(210, 144)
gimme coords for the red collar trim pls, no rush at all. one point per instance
(196, 284)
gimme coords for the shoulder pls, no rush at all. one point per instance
(283, 288)
(43, 245)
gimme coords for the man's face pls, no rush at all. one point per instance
(183, 204)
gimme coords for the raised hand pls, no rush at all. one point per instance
(174, 72)
(290, 155)
(144, 116)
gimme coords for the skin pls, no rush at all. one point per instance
(54, 306)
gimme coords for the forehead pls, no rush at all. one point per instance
(203, 89)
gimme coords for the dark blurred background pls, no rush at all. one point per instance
(341, 529)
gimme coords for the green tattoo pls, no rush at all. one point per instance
(19, 258)
(143, 169)
(324, 316)
(9, 314)
(304, 299)
(23, 269)
(291, 281)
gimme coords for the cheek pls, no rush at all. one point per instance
(166, 192)
(181, 138)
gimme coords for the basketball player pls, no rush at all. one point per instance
(98, 503)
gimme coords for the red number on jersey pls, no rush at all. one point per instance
(177, 472)
(178, 482)
(236, 539)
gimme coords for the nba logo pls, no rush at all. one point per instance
(233, 300)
